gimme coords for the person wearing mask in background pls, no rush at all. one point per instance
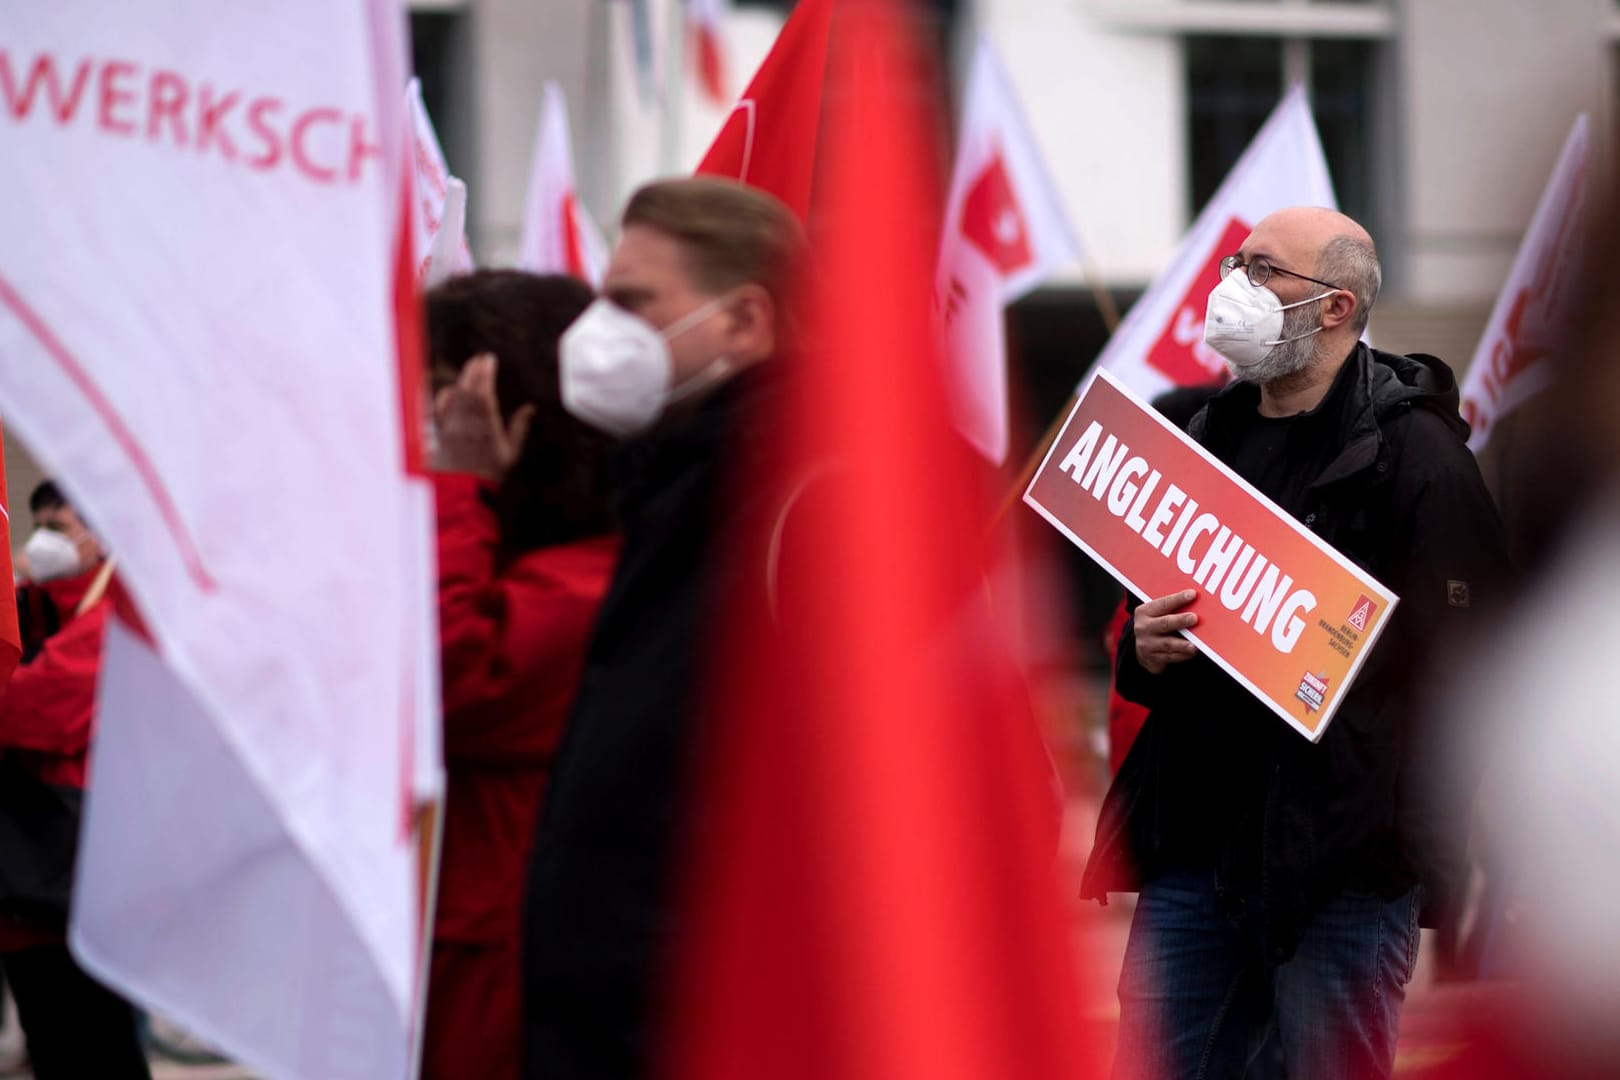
(525, 553)
(688, 342)
(56, 568)
(75, 1027)
(1282, 881)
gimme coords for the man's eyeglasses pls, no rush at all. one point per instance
(1260, 270)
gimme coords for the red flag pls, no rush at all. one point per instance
(10, 633)
(874, 896)
(769, 140)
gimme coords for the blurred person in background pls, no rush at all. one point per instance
(526, 550)
(690, 337)
(57, 565)
(75, 1027)
(1282, 882)
(1535, 711)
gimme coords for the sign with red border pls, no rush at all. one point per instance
(1278, 609)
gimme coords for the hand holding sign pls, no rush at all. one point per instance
(1157, 627)
(1281, 611)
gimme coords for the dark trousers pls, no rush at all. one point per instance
(76, 1028)
(1199, 1001)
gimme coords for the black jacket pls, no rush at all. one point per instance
(597, 909)
(1370, 807)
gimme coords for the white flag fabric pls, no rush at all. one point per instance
(1160, 344)
(1005, 232)
(430, 210)
(1534, 313)
(206, 261)
(445, 257)
(559, 237)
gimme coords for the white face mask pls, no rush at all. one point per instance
(616, 370)
(50, 555)
(1243, 322)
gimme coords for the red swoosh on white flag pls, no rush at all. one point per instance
(117, 428)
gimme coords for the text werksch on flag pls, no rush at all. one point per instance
(1160, 344)
(1005, 232)
(1534, 314)
(1278, 609)
(198, 336)
(559, 237)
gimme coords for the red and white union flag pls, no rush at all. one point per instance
(1534, 312)
(1005, 232)
(769, 140)
(207, 246)
(559, 237)
(1160, 344)
(438, 229)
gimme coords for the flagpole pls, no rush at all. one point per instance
(1110, 316)
(1100, 293)
(429, 855)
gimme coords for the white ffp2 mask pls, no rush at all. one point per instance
(1243, 321)
(616, 370)
(50, 555)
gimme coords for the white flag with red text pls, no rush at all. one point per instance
(1534, 312)
(1160, 344)
(206, 335)
(559, 237)
(430, 214)
(1005, 232)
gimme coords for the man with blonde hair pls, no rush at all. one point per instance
(679, 357)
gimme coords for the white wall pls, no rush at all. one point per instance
(1109, 111)
(1488, 91)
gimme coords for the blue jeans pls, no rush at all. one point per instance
(1198, 999)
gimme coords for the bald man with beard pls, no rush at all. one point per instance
(1282, 882)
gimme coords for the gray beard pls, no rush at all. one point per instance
(1287, 357)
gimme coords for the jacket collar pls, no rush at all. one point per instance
(1370, 387)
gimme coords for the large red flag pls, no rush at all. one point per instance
(769, 140)
(10, 634)
(872, 892)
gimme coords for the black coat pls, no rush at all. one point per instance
(597, 911)
(1370, 807)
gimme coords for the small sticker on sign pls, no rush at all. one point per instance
(1312, 691)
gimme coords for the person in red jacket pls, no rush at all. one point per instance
(525, 554)
(75, 1027)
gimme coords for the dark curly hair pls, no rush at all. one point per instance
(558, 490)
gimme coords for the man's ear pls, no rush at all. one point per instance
(752, 336)
(1338, 309)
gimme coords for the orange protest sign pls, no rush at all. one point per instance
(1281, 611)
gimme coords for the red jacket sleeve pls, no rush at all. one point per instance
(49, 703)
(511, 639)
